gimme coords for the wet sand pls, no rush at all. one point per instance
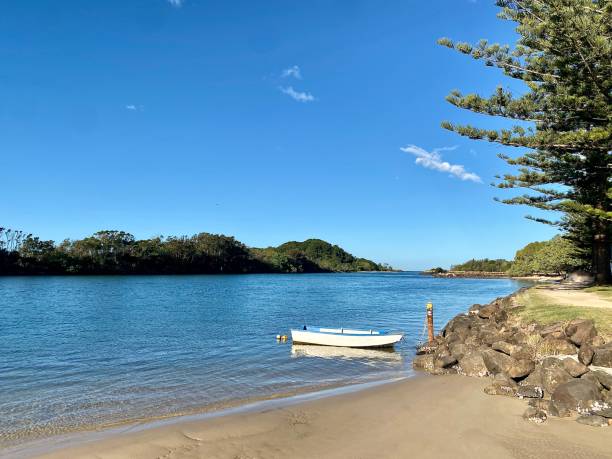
(428, 417)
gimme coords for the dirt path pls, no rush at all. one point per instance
(573, 297)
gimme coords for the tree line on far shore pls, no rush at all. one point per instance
(554, 257)
(119, 252)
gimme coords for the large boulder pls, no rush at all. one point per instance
(602, 357)
(427, 348)
(444, 360)
(521, 368)
(528, 391)
(580, 331)
(424, 362)
(585, 354)
(574, 368)
(472, 364)
(604, 378)
(497, 362)
(554, 331)
(534, 378)
(507, 387)
(486, 312)
(590, 376)
(576, 395)
(506, 348)
(606, 413)
(552, 377)
(557, 346)
(460, 350)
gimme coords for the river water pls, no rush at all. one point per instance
(87, 352)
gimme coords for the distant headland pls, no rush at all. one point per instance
(118, 252)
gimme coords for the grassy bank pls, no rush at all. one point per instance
(547, 305)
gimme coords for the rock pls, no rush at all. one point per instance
(605, 379)
(534, 415)
(497, 362)
(606, 413)
(472, 364)
(552, 377)
(424, 362)
(576, 395)
(486, 312)
(488, 335)
(553, 346)
(530, 391)
(593, 421)
(506, 348)
(552, 362)
(474, 309)
(602, 357)
(580, 331)
(574, 368)
(590, 376)
(521, 369)
(444, 361)
(458, 350)
(554, 330)
(501, 388)
(427, 348)
(585, 354)
(598, 341)
(534, 378)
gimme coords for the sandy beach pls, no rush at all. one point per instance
(429, 417)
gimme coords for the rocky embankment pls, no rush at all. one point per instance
(562, 370)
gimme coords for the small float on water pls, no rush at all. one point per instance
(344, 337)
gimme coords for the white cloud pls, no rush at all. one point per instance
(433, 160)
(176, 3)
(297, 95)
(134, 108)
(293, 71)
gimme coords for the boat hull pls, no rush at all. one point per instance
(344, 339)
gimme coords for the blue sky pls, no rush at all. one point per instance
(269, 121)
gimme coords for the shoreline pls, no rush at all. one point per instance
(45, 445)
(412, 416)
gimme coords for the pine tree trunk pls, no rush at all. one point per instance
(601, 255)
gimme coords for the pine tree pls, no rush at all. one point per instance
(564, 128)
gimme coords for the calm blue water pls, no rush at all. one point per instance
(86, 352)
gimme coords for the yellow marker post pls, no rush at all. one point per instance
(430, 324)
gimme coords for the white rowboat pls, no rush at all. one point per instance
(344, 337)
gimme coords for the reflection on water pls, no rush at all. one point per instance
(386, 355)
(88, 351)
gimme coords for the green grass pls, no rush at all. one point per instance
(535, 308)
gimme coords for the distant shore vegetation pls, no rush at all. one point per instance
(554, 257)
(119, 252)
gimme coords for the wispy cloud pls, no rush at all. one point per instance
(433, 160)
(293, 71)
(297, 95)
(134, 108)
(176, 3)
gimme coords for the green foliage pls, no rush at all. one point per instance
(559, 255)
(315, 255)
(118, 252)
(563, 55)
(485, 265)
